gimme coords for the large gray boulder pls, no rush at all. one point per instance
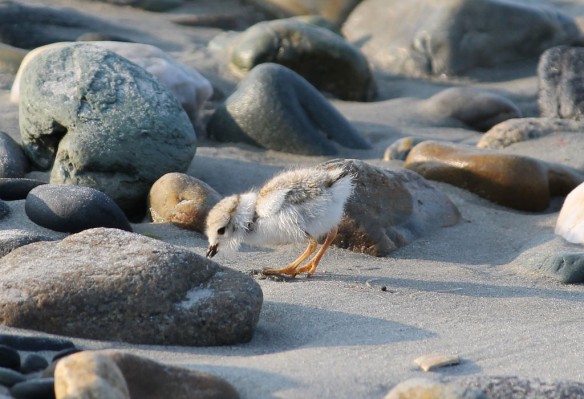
(428, 37)
(114, 285)
(103, 122)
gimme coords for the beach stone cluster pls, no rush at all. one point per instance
(48, 367)
(156, 293)
(112, 127)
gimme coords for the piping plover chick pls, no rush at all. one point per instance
(294, 206)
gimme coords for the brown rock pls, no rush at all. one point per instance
(148, 379)
(183, 200)
(389, 209)
(89, 375)
(514, 181)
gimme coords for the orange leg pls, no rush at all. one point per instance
(291, 268)
(311, 266)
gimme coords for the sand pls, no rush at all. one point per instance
(355, 328)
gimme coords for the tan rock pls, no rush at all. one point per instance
(183, 200)
(570, 223)
(432, 361)
(422, 388)
(514, 181)
(87, 375)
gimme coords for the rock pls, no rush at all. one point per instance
(277, 109)
(399, 149)
(64, 353)
(37, 388)
(33, 363)
(560, 84)
(511, 387)
(9, 358)
(189, 87)
(334, 11)
(150, 5)
(425, 37)
(38, 26)
(570, 223)
(112, 126)
(13, 162)
(9, 377)
(17, 189)
(4, 210)
(568, 268)
(11, 239)
(89, 375)
(513, 131)
(433, 361)
(418, 388)
(72, 209)
(514, 181)
(33, 344)
(147, 379)
(113, 285)
(323, 58)
(390, 209)
(479, 109)
(183, 200)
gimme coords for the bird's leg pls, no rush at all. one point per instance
(291, 268)
(311, 266)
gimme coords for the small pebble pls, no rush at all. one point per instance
(33, 344)
(10, 377)
(38, 388)
(433, 360)
(33, 363)
(65, 352)
(9, 358)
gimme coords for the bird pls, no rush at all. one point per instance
(297, 205)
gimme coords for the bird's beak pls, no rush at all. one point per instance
(212, 250)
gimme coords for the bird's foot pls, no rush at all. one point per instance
(308, 268)
(288, 270)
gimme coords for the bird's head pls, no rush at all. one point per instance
(228, 222)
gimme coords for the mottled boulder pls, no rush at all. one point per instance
(17, 189)
(102, 121)
(390, 209)
(426, 37)
(334, 11)
(113, 285)
(72, 209)
(323, 58)
(570, 223)
(183, 200)
(148, 379)
(10, 239)
(13, 162)
(277, 109)
(514, 131)
(28, 27)
(189, 87)
(478, 109)
(514, 181)
(89, 375)
(561, 89)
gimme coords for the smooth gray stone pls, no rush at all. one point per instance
(13, 162)
(277, 109)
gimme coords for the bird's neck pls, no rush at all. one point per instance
(246, 209)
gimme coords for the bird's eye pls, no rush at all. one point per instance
(221, 231)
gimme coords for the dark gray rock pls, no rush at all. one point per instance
(4, 210)
(565, 267)
(478, 109)
(150, 5)
(9, 377)
(118, 286)
(34, 343)
(33, 26)
(11, 239)
(511, 387)
(277, 109)
(9, 358)
(110, 126)
(390, 209)
(13, 162)
(72, 209)
(441, 38)
(323, 58)
(561, 87)
(33, 363)
(36, 388)
(17, 189)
